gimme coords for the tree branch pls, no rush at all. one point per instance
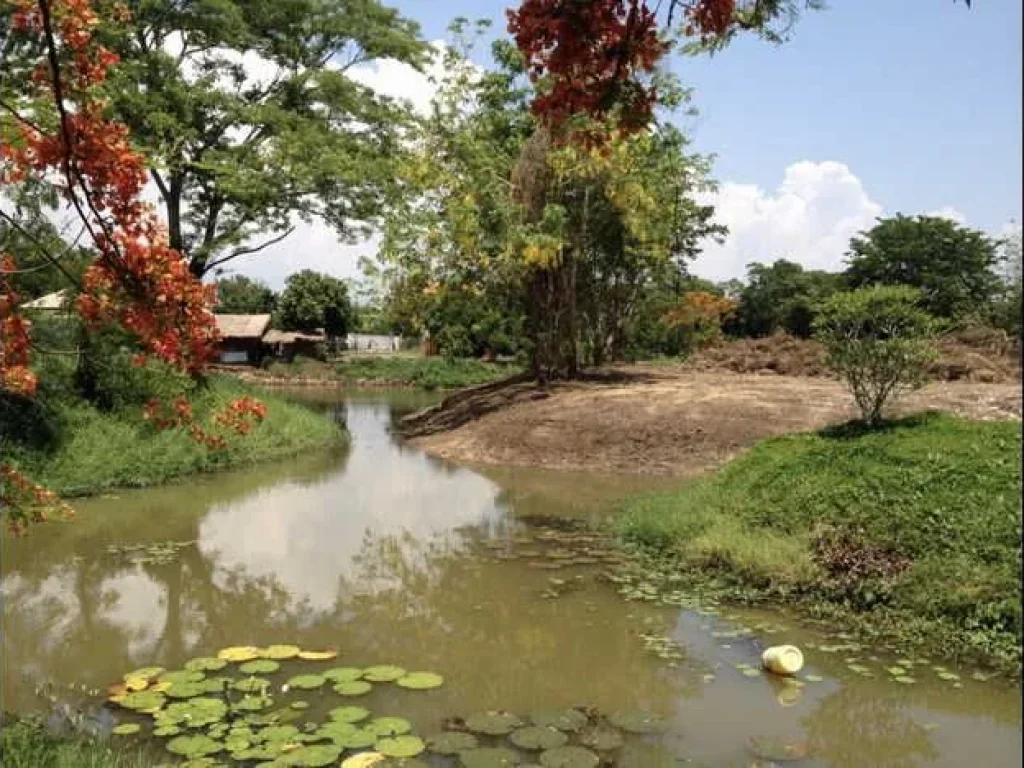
(53, 260)
(250, 249)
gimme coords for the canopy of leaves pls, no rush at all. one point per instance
(241, 295)
(782, 296)
(313, 301)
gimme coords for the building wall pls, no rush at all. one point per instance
(239, 351)
(372, 342)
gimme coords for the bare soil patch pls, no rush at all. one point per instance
(657, 420)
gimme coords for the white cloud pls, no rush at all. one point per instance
(948, 212)
(401, 81)
(809, 219)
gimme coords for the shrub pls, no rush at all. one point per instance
(879, 341)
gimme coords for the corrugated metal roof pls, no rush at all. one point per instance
(242, 326)
(55, 300)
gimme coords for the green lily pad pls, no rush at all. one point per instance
(353, 688)
(488, 757)
(239, 653)
(166, 730)
(896, 671)
(259, 667)
(311, 756)
(205, 664)
(538, 737)
(569, 757)
(251, 684)
(493, 723)
(383, 673)
(364, 760)
(250, 703)
(637, 721)
(420, 681)
(283, 733)
(279, 652)
(182, 676)
(126, 729)
(602, 739)
(197, 712)
(569, 720)
(343, 674)
(357, 739)
(451, 742)
(188, 690)
(145, 673)
(300, 705)
(948, 676)
(336, 731)
(194, 746)
(388, 726)
(905, 680)
(143, 700)
(401, 746)
(349, 714)
(306, 682)
(260, 752)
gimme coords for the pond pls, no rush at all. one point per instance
(392, 557)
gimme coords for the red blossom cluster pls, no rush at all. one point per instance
(30, 500)
(240, 415)
(15, 376)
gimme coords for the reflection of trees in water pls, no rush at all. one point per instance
(856, 727)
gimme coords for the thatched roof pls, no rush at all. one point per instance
(242, 326)
(274, 336)
(57, 300)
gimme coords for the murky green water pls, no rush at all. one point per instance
(390, 557)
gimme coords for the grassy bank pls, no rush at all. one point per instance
(28, 745)
(74, 448)
(397, 370)
(909, 533)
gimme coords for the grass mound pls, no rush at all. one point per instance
(424, 372)
(916, 525)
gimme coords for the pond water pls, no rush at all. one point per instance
(393, 557)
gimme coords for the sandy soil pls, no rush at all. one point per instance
(659, 421)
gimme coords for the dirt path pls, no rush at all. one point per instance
(667, 421)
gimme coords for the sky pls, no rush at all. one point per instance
(873, 107)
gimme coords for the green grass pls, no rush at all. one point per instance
(424, 372)
(911, 530)
(28, 745)
(90, 449)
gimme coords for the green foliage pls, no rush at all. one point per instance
(312, 301)
(879, 342)
(781, 296)
(424, 372)
(26, 744)
(952, 265)
(941, 492)
(240, 295)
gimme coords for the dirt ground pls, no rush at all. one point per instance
(664, 421)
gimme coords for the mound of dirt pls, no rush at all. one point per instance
(977, 354)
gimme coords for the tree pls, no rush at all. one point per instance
(312, 301)
(782, 296)
(879, 342)
(248, 115)
(241, 295)
(954, 266)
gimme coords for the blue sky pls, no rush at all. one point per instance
(873, 107)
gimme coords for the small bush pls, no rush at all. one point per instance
(879, 342)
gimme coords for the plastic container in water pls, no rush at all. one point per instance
(783, 659)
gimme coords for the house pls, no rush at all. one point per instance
(287, 344)
(241, 337)
(51, 302)
(372, 342)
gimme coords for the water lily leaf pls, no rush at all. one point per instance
(205, 664)
(126, 729)
(495, 723)
(317, 655)
(182, 676)
(364, 760)
(194, 746)
(311, 755)
(602, 739)
(569, 757)
(260, 752)
(188, 690)
(145, 673)
(136, 683)
(251, 684)
(279, 652)
(450, 742)
(569, 720)
(637, 721)
(196, 713)
(352, 688)
(357, 739)
(401, 746)
(343, 674)
(383, 673)
(336, 730)
(166, 730)
(250, 703)
(905, 680)
(388, 726)
(202, 762)
(283, 733)
(259, 667)
(306, 682)
(538, 737)
(300, 705)
(142, 700)
(349, 714)
(488, 757)
(238, 653)
(236, 743)
(420, 681)
(948, 676)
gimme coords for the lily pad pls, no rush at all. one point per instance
(569, 720)
(188, 690)
(205, 664)
(383, 673)
(420, 681)
(318, 655)
(948, 676)
(538, 737)
(450, 742)
(145, 673)
(251, 684)
(569, 757)
(306, 682)
(250, 703)
(488, 757)
(142, 700)
(388, 726)
(349, 714)
(280, 733)
(357, 739)
(904, 679)
(299, 705)
(259, 667)
(353, 688)
(401, 746)
(602, 739)
(364, 760)
(198, 712)
(194, 746)
(343, 674)
(279, 652)
(311, 755)
(182, 676)
(126, 729)
(896, 671)
(336, 731)
(493, 723)
(637, 721)
(239, 653)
